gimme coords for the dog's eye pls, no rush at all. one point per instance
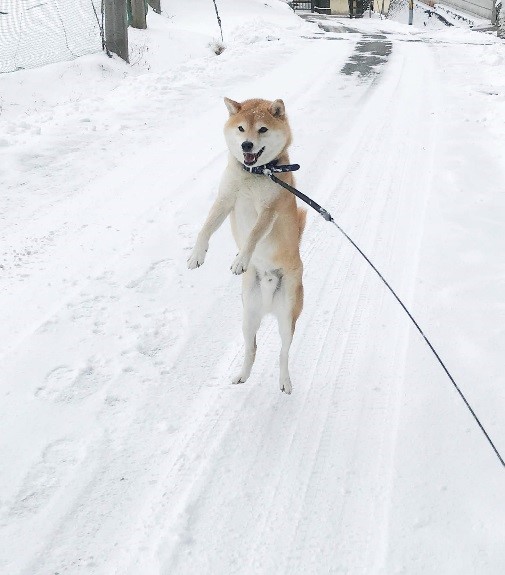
(263, 130)
(240, 129)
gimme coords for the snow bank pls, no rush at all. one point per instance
(184, 32)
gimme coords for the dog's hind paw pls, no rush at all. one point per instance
(285, 385)
(239, 378)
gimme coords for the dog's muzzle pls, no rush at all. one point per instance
(250, 159)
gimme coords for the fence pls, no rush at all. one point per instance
(302, 5)
(319, 6)
(38, 32)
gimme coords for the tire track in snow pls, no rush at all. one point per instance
(344, 544)
(337, 371)
(332, 341)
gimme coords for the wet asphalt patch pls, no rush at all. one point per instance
(370, 54)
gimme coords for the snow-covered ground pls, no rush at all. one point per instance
(124, 449)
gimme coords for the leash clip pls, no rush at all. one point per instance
(326, 215)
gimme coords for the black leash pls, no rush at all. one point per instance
(269, 170)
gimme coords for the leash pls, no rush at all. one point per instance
(273, 167)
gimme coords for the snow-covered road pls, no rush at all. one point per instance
(126, 450)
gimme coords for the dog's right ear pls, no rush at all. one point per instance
(277, 109)
(233, 107)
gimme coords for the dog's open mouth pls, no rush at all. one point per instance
(251, 159)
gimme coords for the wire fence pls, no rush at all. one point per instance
(395, 7)
(38, 32)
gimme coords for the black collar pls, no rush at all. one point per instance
(270, 168)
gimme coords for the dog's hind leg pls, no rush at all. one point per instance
(252, 314)
(288, 302)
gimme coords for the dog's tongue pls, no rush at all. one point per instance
(249, 158)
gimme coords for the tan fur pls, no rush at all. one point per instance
(267, 225)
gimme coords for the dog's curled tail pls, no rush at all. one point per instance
(302, 218)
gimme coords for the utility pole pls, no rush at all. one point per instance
(411, 12)
(138, 14)
(116, 27)
(155, 5)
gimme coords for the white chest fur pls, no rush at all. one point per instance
(252, 193)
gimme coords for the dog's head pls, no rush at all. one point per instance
(257, 131)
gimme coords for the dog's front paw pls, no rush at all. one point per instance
(197, 257)
(239, 266)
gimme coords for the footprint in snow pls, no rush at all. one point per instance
(162, 334)
(45, 477)
(65, 384)
(154, 278)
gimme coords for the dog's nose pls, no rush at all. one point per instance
(247, 146)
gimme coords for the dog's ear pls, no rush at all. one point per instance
(233, 107)
(277, 109)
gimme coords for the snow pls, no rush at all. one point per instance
(124, 448)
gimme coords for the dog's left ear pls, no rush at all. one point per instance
(233, 107)
(277, 109)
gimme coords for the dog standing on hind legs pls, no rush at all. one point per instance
(267, 226)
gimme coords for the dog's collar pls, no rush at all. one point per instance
(271, 168)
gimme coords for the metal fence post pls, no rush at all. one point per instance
(116, 28)
(139, 14)
(155, 5)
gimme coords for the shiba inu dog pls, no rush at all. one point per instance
(267, 225)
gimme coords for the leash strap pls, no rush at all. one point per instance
(320, 210)
(266, 171)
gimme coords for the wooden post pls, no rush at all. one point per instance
(155, 5)
(499, 19)
(116, 28)
(138, 14)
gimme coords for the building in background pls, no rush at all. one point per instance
(481, 8)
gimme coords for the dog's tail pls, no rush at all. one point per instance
(302, 218)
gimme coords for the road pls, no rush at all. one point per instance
(129, 451)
